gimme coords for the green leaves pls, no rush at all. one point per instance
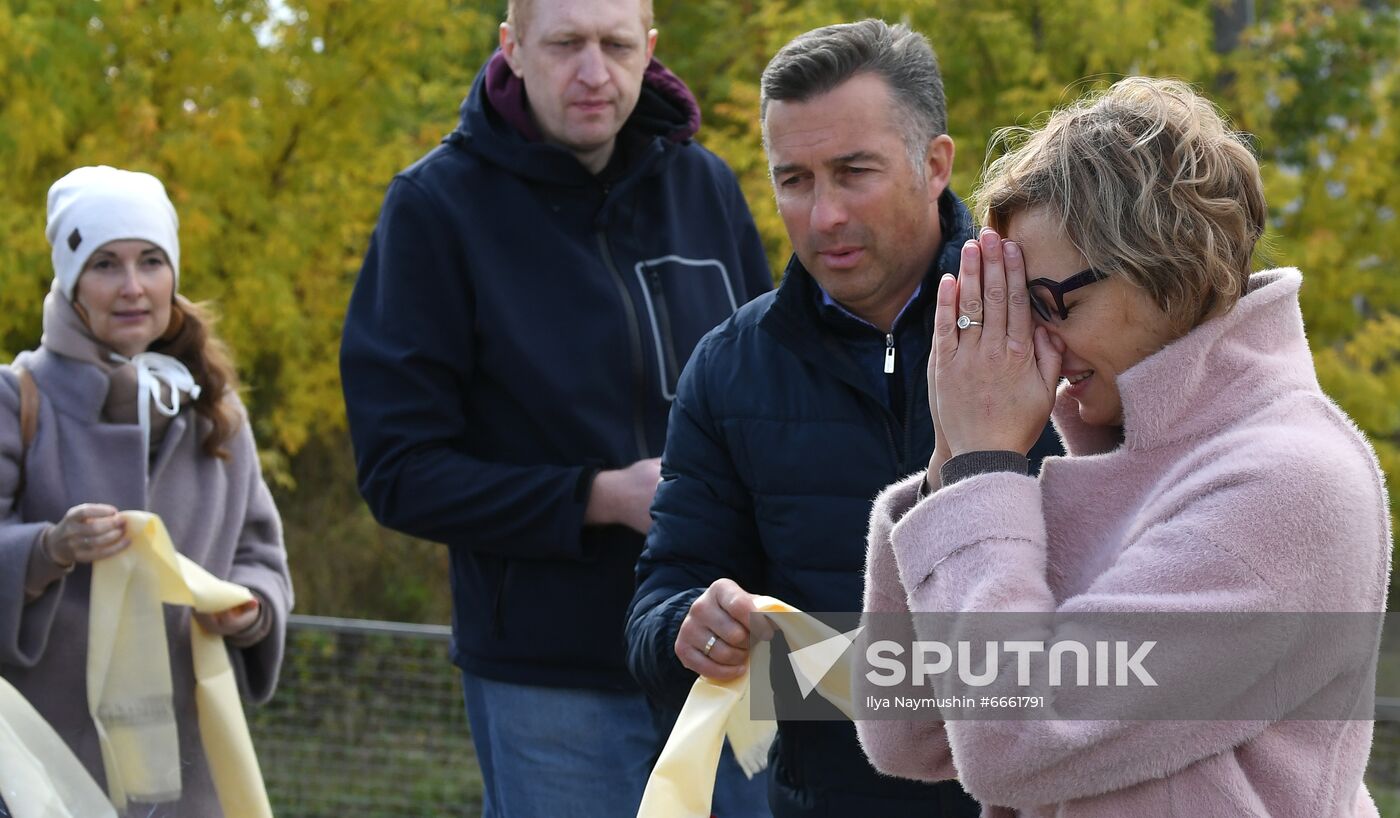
(277, 126)
(275, 135)
(1316, 83)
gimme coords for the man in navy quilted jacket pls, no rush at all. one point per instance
(794, 413)
(533, 289)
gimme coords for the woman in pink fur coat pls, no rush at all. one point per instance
(1207, 471)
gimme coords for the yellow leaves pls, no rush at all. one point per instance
(1363, 375)
(140, 120)
(277, 157)
(1362, 382)
(1286, 89)
(280, 160)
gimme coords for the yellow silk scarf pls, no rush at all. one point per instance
(128, 676)
(683, 781)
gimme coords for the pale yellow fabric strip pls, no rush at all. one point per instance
(128, 681)
(803, 631)
(224, 731)
(129, 675)
(39, 776)
(682, 782)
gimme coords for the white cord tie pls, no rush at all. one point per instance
(153, 369)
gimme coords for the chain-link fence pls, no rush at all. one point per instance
(368, 722)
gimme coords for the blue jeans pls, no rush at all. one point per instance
(550, 752)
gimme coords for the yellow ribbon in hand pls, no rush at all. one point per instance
(129, 687)
(683, 781)
(39, 776)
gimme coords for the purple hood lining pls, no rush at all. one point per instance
(506, 93)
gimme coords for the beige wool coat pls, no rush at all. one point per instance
(219, 513)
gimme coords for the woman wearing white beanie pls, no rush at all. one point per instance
(137, 410)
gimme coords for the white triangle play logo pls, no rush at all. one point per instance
(811, 664)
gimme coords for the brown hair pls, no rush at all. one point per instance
(190, 338)
(1148, 182)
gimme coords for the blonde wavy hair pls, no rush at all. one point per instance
(1148, 182)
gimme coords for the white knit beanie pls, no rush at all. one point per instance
(92, 206)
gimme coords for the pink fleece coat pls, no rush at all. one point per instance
(1239, 486)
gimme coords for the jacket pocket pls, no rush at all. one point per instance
(684, 298)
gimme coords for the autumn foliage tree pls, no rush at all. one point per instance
(277, 125)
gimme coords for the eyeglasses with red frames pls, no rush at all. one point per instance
(1058, 290)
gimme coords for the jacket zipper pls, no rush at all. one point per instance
(894, 443)
(629, 307)
(911, 395)
(889, 429)
(901, 456)
(663, 328)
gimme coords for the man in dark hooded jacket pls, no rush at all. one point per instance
(531, 292)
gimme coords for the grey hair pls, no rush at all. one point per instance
(823, 58)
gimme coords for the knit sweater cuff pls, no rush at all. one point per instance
(971, 464)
